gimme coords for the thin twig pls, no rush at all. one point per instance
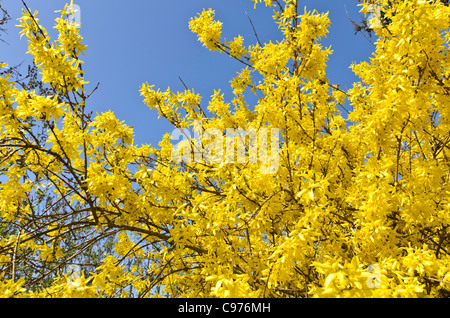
(35, 22)
(253, 27)
(183, 83)
(13, 270)
(96, 87)
(356, 25)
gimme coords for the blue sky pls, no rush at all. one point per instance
(132, 42)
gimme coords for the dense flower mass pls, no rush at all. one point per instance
(359, 205)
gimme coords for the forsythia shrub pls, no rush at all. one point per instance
(358, 205)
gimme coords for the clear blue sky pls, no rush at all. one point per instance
(132, 42)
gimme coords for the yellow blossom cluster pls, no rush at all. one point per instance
(359, 205)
